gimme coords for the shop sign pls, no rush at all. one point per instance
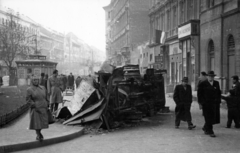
(185, 30)
(158, 59)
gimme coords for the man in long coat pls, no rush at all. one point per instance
(236, 90)
(209, 99)
(55, 88)
(183, 99)
(70, 81)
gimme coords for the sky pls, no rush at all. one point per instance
(85, 18)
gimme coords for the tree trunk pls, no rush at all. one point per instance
(12, 76)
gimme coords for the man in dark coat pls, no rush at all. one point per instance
(233, 112)
(236, 91)
(183, 99)
(71, 81)
(209, 96)
(42, 81)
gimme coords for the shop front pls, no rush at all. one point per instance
(188, 36)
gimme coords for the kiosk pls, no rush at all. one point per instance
(35, 65)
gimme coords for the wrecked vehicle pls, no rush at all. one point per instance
(120, 95)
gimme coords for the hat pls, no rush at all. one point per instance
(211, 73)
(235, 77)
(185, 79)
(203, 73)
(55, 71)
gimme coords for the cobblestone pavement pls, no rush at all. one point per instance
(155, 135)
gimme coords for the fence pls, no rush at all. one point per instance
(6, 118)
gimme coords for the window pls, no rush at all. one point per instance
(150, 57)
(168, 20)
(211, 55)
(210, 3)
(175, 17)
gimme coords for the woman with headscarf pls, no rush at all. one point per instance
(36, 97)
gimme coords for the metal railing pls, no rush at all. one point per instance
(6, 118)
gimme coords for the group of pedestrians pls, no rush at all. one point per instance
(44, 96)
(209, 99)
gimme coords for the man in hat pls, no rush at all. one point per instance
(183, 99)
(235, 91)
(209, 99)
(236, 86)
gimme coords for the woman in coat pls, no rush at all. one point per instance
(36, 97)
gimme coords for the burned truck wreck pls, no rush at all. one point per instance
(121, 96)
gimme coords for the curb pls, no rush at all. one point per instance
(37, 144)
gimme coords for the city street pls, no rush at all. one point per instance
(154, 135)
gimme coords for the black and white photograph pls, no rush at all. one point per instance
(120, 76)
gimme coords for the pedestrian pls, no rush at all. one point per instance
(46, 80)
(233, 111)
(36, 97)
(55, 91)
(202, 77)
(209, 96)
(64, 78)
(78, 81)
(70, 81)
(236, 89)
(1, 83)
(42, 80)
(183, 99)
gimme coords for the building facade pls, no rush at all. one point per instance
(179, 54)
(26, 27)
(126, 28)
(220, 39)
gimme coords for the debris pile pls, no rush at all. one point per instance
(117, 99)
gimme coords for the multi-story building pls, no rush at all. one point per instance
(220, 39)
(127, 26)
(26, 27)
(179, 20)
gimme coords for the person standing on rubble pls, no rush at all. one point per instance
(55, 91)
(70, 81)
(183, 99)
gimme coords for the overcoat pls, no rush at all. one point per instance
(209, 97)
(36, 95)
(55, 87)
(70, 80)
(183, 100)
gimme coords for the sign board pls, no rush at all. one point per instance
(37, 72)
(21, 73)
(82, 93)
(185, 30)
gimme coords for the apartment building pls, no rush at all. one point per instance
(179, 54)
(220, 39)
(127, 26)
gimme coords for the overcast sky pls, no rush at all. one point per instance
(85, 18)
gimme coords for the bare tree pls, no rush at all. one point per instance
(14, 43)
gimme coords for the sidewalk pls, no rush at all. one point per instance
(194, 93)
(16, 136)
